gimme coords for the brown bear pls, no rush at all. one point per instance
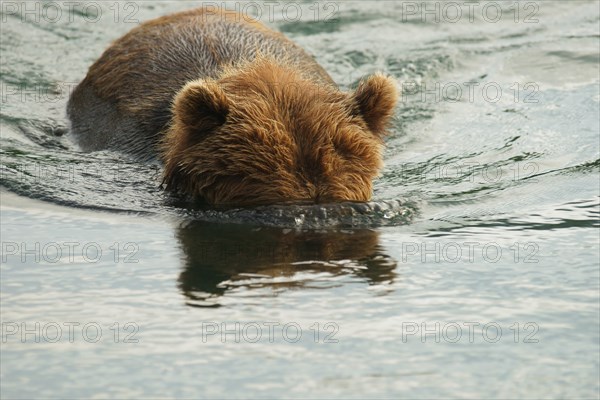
(237, 113)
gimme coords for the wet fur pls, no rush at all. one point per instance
(237, 113)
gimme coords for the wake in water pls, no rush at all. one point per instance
(51, 169)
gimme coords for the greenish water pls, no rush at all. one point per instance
(483, 283)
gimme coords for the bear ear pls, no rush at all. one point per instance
(201, 106)
(375, 99)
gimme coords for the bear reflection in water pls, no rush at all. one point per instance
(222, 258)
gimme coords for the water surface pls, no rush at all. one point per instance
(489, 289)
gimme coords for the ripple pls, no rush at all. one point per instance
(113, 182)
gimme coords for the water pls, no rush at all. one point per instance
(481, 280)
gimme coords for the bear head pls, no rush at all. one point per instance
(263, 133)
